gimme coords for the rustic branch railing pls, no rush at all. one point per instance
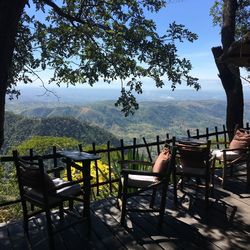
(148, 150)
(106, 153)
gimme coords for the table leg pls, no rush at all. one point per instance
(69, 177)
(86, 189)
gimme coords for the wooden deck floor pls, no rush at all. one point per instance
(225, 225)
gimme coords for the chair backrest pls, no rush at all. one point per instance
(194, 156)
(31, 174)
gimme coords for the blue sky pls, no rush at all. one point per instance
(194, 14)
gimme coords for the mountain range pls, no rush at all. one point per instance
(102, 121)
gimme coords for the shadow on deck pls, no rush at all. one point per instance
(224, 225)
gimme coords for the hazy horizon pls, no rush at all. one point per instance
(83, 94)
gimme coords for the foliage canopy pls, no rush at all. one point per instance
(89, 41)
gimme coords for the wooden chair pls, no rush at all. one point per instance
(137, 182)
(39, 190)
(194, 161)
(235, 156)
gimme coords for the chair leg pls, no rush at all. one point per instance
(119, 195)
(152, 202)
(61, 213)
(163, 203)
(224, 175)
(123, 208)
(175, 189)
(50, 230)
(25, 218)
(207, 192)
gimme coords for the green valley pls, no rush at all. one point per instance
(102, 121)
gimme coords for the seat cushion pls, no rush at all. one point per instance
(66, 191)
(240, 140)
(73, 190)
(140, 180)
(230, 155)
(161, 163)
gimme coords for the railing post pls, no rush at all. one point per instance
(122, 150)
(225, 135)
(148, 151)
(96, 171)
(158, 144)
(57, 174)
(217, 137)
(80, 147)
(197, 133)
(134, 148)
(109, 164)
(207, 133)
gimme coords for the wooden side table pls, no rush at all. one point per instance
(85, 159)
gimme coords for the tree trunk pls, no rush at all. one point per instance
(10, 14)
(230, 79)
(228, 73)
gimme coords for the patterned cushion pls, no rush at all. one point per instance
(230, 155)
(59, 194)
(241, 139)
(161, 163)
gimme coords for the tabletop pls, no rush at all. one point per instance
(79, 156)
(190, 140)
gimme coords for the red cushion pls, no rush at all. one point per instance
(161, 162)
(241, 139)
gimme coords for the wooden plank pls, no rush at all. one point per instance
(16, 236)
(4, 237)
(109, 240)
(214, 224)
(82, 229)
(164, 237)
(225, 225)
(124, 237)
(176, 233)
(137, 230)
(38, 232)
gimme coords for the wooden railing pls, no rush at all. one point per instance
(110, 155)
(219, 138)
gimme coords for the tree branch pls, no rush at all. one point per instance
(71, 18)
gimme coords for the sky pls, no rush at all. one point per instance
(194, 14)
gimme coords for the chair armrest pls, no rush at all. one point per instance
(235, 150)
(239, 156)
(140, 172)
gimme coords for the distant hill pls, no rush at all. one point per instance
(19, 128)
(152, 118)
